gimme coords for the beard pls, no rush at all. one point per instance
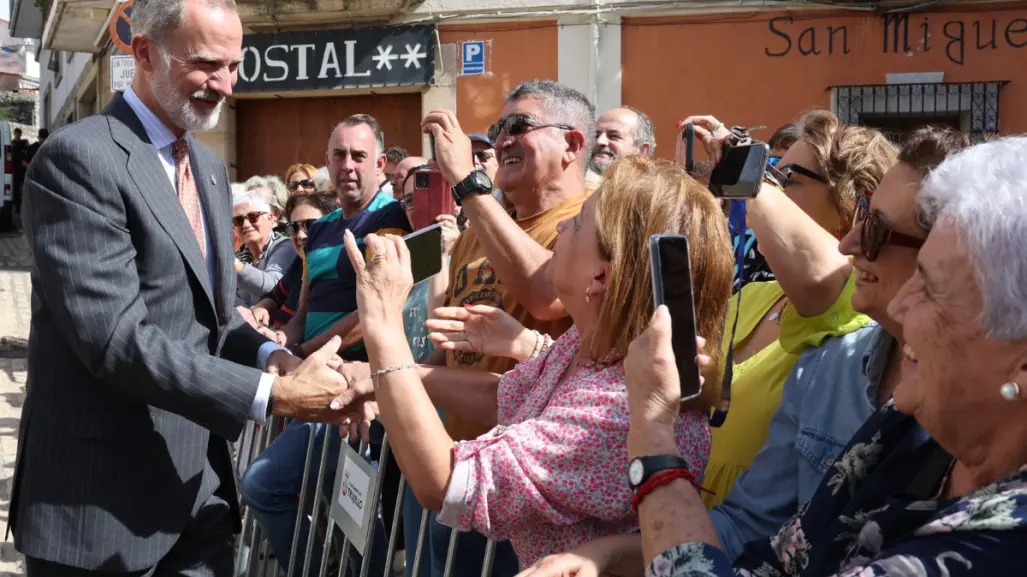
(179, 106)
(599, 165)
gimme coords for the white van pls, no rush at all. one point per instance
(7, 198)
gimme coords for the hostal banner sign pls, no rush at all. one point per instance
(347, 58)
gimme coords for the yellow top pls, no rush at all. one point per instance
(758, 382)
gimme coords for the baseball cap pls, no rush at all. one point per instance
(483, 138)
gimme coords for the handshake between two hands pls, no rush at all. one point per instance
(324, 389)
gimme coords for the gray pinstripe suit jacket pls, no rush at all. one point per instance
(132, 391)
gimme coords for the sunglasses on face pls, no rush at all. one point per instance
(483, 156)
(305, 183)
(518, 124)
(784, 175)
(253, 217)
(295, 226)
(874, 233)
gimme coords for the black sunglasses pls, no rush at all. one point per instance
(305, 183)
(295, 226)
(874, 234)
(518, 124)
(253, 217)
(784, 174)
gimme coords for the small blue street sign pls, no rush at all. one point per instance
(472, 61)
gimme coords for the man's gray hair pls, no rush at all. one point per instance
(279, 194)
(156, 18)
(982, 191)
(562, 105)
(254, 199)
(644, 132)
(372, 123)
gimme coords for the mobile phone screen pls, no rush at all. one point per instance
(672, 286)
(425, 248)
(740, 172)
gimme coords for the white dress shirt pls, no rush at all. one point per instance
(162, 139)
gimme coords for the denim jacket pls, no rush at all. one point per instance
(830, 392)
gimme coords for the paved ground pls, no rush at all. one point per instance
(14, 330)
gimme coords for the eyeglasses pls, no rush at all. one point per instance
(305, 183)
(874, 234)
(407, 202)
(784, 174)
(518, 124)
(253, 217)
(295, 226)
(483, 156)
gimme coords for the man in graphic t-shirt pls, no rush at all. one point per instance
(543, 124)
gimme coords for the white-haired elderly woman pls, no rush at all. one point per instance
(935, 483)
(274, 190)
(272, 254)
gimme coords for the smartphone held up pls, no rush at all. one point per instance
(672, 286)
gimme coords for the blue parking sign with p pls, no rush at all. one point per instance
(472, 61)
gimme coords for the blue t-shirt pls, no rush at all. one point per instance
(329, 273)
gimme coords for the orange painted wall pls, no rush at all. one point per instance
(519, 51)
(737, 68)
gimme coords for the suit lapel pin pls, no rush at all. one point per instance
(213, 180)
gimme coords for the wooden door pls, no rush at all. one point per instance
(273, 134)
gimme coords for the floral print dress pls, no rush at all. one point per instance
(554, 473)
(877, 514)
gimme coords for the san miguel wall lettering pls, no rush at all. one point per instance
(955, 36)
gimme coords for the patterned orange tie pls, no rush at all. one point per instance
(187, 193)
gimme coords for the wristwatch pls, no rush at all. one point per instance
(297, 350)
(475, 183)
(640, 469)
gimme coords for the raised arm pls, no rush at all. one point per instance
(518, 259)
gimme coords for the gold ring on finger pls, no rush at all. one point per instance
(378, 258)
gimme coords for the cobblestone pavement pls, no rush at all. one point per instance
(14, 332)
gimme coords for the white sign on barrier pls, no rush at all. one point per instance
(355, 506)
(353, 492)
(122, 71)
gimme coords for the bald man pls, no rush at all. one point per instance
(399, 174)
(621, 132)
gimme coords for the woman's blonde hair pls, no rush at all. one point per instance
(307, 168)
(640, 197)
(852, 158)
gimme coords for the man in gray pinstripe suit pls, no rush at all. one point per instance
(140, 370)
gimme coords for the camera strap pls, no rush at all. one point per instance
(737, 226)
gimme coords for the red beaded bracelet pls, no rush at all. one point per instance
(664, 478)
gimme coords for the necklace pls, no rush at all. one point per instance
(776, 314)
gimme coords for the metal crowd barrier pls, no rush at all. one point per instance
(351, 506)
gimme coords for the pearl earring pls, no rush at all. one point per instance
(1010, 391)
(588, 294)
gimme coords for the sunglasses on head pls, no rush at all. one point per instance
(305, 183)
(295, 226)
(253, 217)
(518, 124)
(874, 233)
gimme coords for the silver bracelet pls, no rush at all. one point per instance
(387, 370)
(538, 345)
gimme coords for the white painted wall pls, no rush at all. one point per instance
(60, 92)
(589, 58)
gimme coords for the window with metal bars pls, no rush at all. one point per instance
(899, 108)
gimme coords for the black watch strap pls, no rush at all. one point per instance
(477, 182)
(650, 465)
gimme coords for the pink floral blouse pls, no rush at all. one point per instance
(553, 474)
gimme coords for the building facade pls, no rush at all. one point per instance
(308, 64)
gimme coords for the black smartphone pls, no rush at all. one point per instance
(425, 247)
(672, 286)
(689, 136)
(740, 172)
(431, 145)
